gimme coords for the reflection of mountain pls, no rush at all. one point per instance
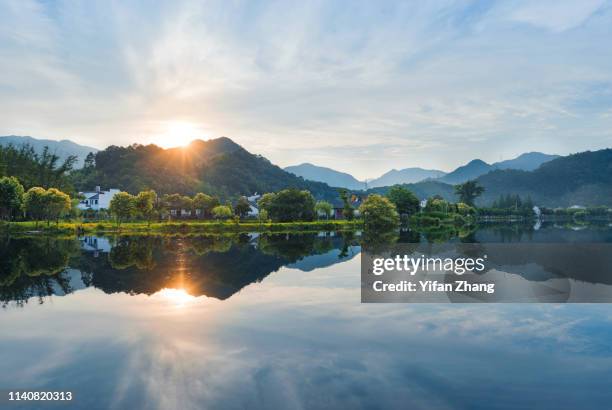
(534, 261)
(215, 266)
(312, 262)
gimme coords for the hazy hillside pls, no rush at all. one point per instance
(404, 176)
(578, 179)
(62, 148)
(217, 166)
(322, 174)
(471, 170)
(423, 190)
(526, 162)
(475, 168)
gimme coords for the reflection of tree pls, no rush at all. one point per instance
(33, 267)
(129, 251)
(379, 241)
(291, 247)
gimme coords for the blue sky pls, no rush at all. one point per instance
(357, 86)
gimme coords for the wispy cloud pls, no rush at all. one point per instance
(446, 81)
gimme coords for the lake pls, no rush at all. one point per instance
(275, 321)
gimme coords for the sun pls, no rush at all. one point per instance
(178, 134)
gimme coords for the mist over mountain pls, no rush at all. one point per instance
(405, 176)
(62, 149)
(327, 175)
(475, 168)
(525, 162)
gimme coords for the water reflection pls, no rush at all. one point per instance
(153, 326)
(214, 266)
(220, 266)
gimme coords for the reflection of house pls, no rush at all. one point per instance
(95, 244)
(96, 200)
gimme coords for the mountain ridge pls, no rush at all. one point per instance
(62, 148)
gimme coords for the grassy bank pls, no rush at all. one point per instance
(82, 228)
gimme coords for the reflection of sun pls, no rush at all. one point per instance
(178, 134)
(178, 297)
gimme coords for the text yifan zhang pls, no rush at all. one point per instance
(412, 265)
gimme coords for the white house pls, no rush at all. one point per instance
(254, 211)
(98, 199)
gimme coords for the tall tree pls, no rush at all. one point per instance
(324, 207)
(292, 205)
(122, 206)
(145, 204)
(242, 207)
(468, 192)
(348, 211)
(11, 197)
(58, 204)
(379, 214)
(35, 203)
(404, 200)
(205, 203)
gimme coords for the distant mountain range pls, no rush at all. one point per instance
(405, 176)
(473, 169)
(62, 149)
(322, 174)
(578, 179)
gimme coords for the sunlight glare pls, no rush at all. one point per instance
(177, 297)
(178, 134)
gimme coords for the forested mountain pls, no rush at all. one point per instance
(471, 170)
(63, 149)
(218, 166)
(475, 168)
(578, 179)
(405, 176)
(423, 190)
(322, 174)
(525, 162)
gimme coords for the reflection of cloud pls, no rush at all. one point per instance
(303, 340)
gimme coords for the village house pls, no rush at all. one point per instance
(97, 199)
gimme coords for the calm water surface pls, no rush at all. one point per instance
(275, 321)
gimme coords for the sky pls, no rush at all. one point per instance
(361, 87)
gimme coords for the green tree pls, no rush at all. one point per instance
(11, 197)
(348, 211)
(266, 200)
(35, 203)
(122, 206)
(468, 192)
(262, 216)
(58, 203)
(379, 214)
(292, 205)
(242, 207)
(205, 203)
(222, 212)
(145, 204)
(404, 200)
(324, 207)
